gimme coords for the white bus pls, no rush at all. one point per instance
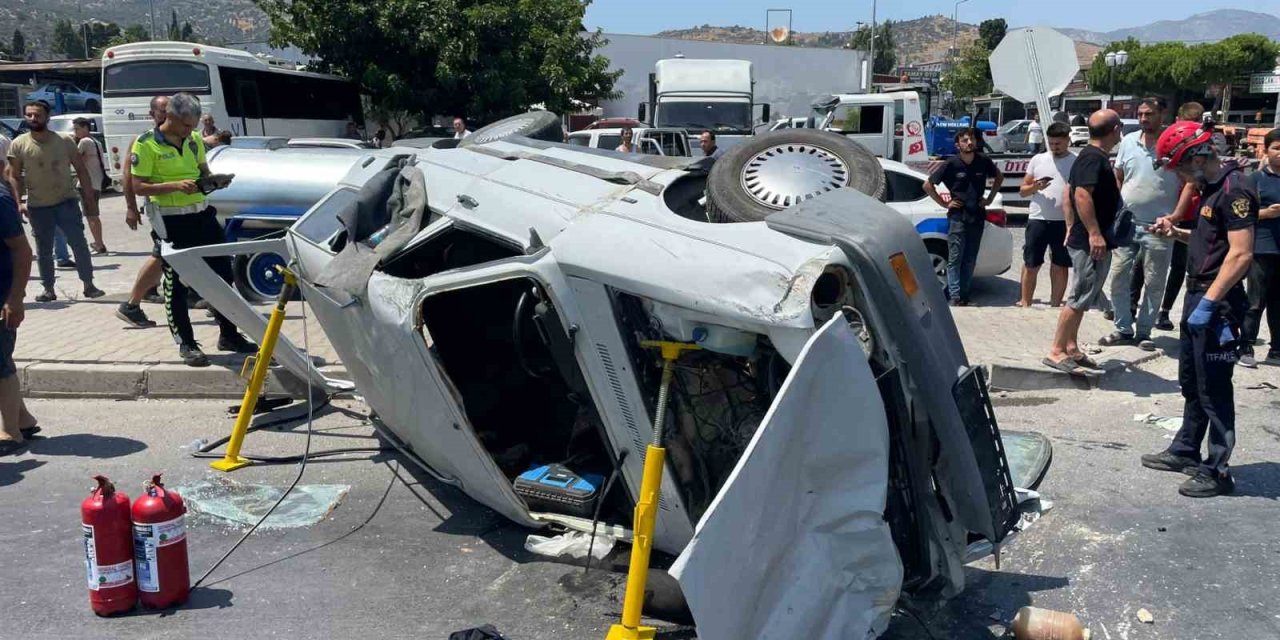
(245, 94)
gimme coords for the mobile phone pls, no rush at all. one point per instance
(1044, 180)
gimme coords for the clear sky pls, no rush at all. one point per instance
(651, 16)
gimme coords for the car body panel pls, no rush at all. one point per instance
(75, 98)
(823, 567)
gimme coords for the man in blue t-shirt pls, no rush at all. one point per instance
(1263, 281)
(16, 423)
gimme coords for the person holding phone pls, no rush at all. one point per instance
(167, 164)
(1045, 185)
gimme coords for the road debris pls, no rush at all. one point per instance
(1145, 617)
(1262, 385)
(244, 503)
(573, 543)
(1034, 623)
(1169, 423)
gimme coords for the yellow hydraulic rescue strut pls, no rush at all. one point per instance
(260, 363)
(647, 506)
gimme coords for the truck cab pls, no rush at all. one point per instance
(703, 95)
(890, 124)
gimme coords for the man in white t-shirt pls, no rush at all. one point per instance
(1045, 184)
(460, 128)
(1035, 136)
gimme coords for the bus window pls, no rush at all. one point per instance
(155, 77)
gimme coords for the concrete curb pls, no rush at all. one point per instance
(1020, 375)
(127, 381)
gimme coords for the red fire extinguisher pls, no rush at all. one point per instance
(108, 553)
(160, 546)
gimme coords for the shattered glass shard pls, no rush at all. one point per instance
(243, 504)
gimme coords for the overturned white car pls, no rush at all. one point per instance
(829, 447)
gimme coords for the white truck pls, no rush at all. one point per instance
(704, 95)
(891, 125)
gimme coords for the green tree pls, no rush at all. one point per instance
(19, 44)
(991, 32)
(187, 33)
(971, 75)
(131, 33)
(886, 57)
(485, 59)
(67, 40)
(1175, 68)
(100, 34)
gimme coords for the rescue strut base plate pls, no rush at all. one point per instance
(230, 464)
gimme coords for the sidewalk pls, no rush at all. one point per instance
(76, 347)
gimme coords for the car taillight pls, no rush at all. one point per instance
(989, 134)
(997, 217)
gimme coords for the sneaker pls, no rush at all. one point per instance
(66, 264)
(1163, 323)
(1117, 339)
(1109, 315)
(1248, 361)
(1165, 461)
(152, 296)
(1146, 343)
(47, 296)
(93, 292)
(1273, 356)
(134, 316)
(192, 356)
(236, 343)
(1203, 485)
(197, 304)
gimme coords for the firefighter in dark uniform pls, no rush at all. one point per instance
(1219, 253)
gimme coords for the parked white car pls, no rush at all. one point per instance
(831, 391)
(1079, 136)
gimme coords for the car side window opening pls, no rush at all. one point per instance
(580, 140)
(900, 187)
(858, 119)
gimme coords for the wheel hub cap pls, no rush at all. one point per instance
(787, 174)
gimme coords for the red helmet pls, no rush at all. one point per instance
(1181, 141)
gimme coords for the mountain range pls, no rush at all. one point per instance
(219, 21)
(1210, 26)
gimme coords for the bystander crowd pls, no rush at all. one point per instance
(1093, 202)
(1148, 194)
(1263, 285)
(1045, 184)
(40, 163)
(965, 176)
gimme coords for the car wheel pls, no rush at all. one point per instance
(92, 106)
(773, 171)
(938, 260)
(540, 125)
(257, 278)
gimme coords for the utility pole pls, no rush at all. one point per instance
(872, 82)
(955, 28)
(153, 19)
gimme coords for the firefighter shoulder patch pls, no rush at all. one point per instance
(1240, 207)
(1206, 212)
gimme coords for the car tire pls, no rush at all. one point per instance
(92, 106)
(256, 279)
(938, 260)
(755, 178)
(540, 125)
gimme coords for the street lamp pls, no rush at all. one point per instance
(1114, 60)
(955, 27)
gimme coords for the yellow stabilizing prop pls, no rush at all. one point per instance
(261, 363)
(646, 514)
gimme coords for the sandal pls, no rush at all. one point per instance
(1065, 365)
(1117, 339)
(1085, 361)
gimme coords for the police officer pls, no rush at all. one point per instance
(165, 164)
(1219, 253)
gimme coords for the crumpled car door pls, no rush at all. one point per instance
(795, 545)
